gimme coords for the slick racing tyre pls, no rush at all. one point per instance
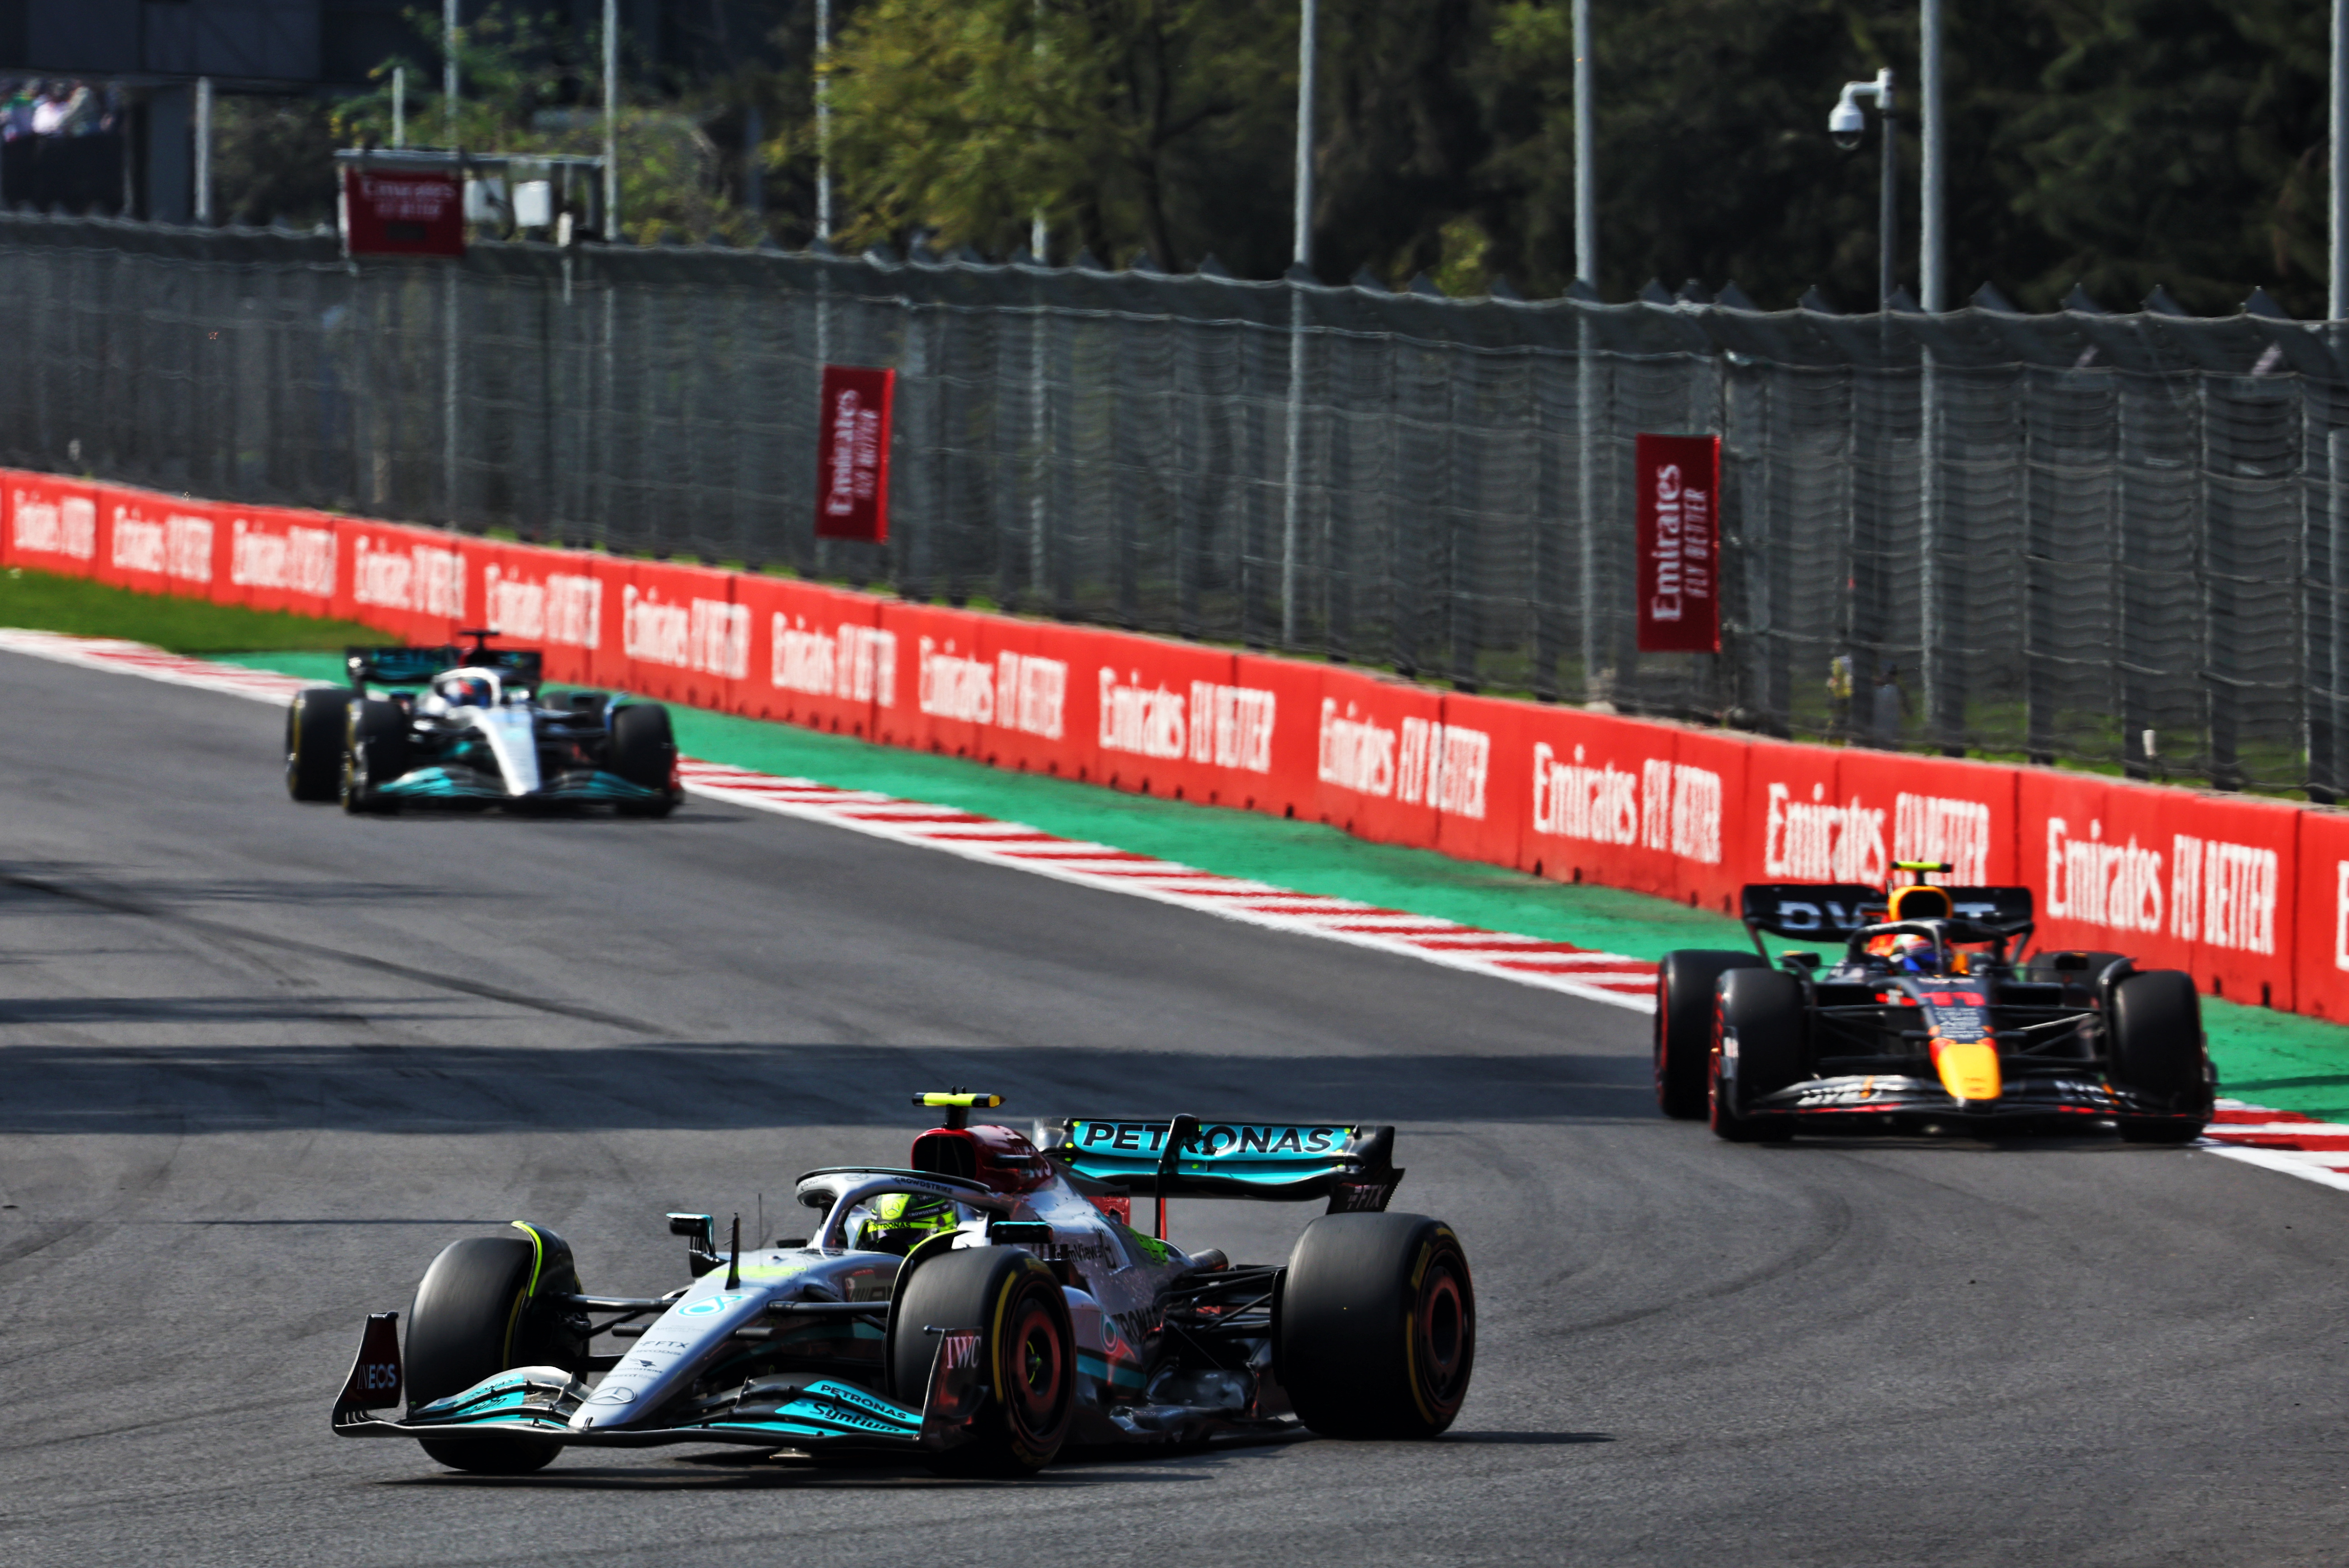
(1684, 1038)
(644, 752)
(1758, 1051)
(1028, 1355)
(1374, 1329)
(2156, 1032)
(314, 742)
(375, 752)
(469, 1323)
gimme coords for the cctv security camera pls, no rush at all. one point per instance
(1845, 124)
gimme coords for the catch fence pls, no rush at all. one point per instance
(2113, 539)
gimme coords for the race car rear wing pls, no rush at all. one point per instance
(402, 666)
(1808, 911)
(1351, 1164)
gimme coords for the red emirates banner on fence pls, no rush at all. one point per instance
(403, 214)
(852, 486)
(1679, 483)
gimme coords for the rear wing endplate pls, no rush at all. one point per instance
(1349, 1164)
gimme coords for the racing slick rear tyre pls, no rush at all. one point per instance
(314, 742)
(644, 752)
(1684, 1038)
(1374, 1332)
(466, 1325)
(2156, 1031)
(1028, 1354)
(1760, 1011)
(375, 752)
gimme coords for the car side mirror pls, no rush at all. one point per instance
(700, 1233)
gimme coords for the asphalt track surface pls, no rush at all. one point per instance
(259, 1062)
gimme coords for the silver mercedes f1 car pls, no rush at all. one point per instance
(468, 726)
(981, 1309)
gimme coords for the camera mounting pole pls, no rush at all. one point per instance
(1845, 125)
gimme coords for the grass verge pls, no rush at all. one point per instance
(41, 601)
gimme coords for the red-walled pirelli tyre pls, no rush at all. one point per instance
(1375, 1331)
(314, 742)
(2156, 1031)
(1028, 1348)
(463, 1327)
(1758, 1051)
(1684, 1038)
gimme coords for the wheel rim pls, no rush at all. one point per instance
(1444, 1337)
(1035, 1369)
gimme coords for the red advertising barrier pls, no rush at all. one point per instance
(158, 543)
(1594, 798)
(2250, 895)
(549, 599)
(685, 638)
(412, 582)
(52, 524)
(817, 656)
(1282, 774)
(279, 559)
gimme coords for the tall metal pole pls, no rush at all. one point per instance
(399, 106)
(2337, 307)
(611, 121)
(1887, 278)
(1586, 173)
(1932, 244)
(1301, 256)
(1586, 370)
(204, 150)
(448, 82)
(822, 120)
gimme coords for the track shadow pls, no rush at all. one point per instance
(49, 1088)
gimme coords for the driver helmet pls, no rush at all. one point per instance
(899, 1221)
(1912, 952)
(466, 692)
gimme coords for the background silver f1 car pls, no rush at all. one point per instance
(468, 726)
(256, 1069)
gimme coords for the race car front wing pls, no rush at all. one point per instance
(540, 1402)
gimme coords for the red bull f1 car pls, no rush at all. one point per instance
(980, 1308)
(458, 726)
(1923, 1019)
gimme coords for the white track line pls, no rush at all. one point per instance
(1535, 962)
(2280, 1141)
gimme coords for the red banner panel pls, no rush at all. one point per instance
(946, 699)
(685, 638)
(2099, 859)
(2320, 948)
(551, 601)
(403, 213)
(52, 524)
(1960, 813)
(1384, 758)
(161, 544)
(1678, 482)
(851, 487)
(1277, 736)
(409, 581)
(280, 560)
(819, 657)
(1618, 802)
